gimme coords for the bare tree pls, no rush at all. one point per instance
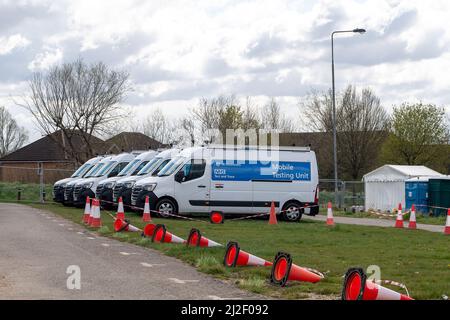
(250, 116)
(78, 99)
(207, 113)
(12, 136)
(187, 129)
(274, 119)
(158, 127)
(316, 111)
(361, 122)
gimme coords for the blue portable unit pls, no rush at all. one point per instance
(416, 192)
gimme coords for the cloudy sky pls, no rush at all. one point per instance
(178, 51)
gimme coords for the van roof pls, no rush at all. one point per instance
(168, 153)
(256, 147)
(147, 155)
(124, 157)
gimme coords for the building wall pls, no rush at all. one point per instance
(27, 172)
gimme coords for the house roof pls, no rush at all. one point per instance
(399, 173)
(47, 149)
(129, 141)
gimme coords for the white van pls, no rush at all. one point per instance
(68, 189)
(123, 187)
(58, 187)
(110, 167)
(235, 180)
(104, 190)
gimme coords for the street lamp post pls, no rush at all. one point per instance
(360, 31)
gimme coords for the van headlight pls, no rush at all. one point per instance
(109, 185)
(149, 187)
(129, 184)
(88, 185)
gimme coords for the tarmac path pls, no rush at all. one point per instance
(40, 251)
(375, 222)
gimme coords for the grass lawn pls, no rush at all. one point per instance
(29, 191)
(419, 259)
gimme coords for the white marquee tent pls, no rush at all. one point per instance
(385, 187)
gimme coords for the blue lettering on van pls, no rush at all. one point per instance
(271, 171)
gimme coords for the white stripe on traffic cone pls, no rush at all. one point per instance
(412, 218)
(399, 220)
(330, 219)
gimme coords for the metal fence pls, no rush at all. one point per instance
(34, 184)
(350, 194)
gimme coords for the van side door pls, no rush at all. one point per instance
(192, 185)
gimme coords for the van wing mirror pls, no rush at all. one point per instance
(179, 177)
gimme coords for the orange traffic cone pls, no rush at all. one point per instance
(330, 219)
(91, 215)
(146, 216)
(234, 256)
(399, 221)
(358, 287)
(149, 229)
(273, 215)
(283, 270)
(412, 218)
(124, 225)
(120, 215)
(96, 219)
(87, 211)
(216, 217)
(197, 240)
(447, 223)
(162, 235)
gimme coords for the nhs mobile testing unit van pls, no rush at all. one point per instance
(235, 180)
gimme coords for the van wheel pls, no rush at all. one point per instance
(165, 208)
(292, 211)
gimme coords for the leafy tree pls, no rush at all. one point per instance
(418, 132)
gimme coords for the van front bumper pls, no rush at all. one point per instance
(124, 192)
(80, 194)
(106, 198)
(138, 199)
(58, 194)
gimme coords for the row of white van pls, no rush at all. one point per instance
(232, 180)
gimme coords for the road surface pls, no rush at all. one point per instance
(38, 247)
(374, 222)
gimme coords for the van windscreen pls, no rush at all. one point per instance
(128, 168)
(105, 169)
(138, 168)
(172, 166)
(149, 166)
(94, 170)
(81, 170)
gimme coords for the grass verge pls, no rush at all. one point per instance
(419, 259)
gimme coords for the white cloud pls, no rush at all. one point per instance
(46, 59)
(9, 44)
(178, 51)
